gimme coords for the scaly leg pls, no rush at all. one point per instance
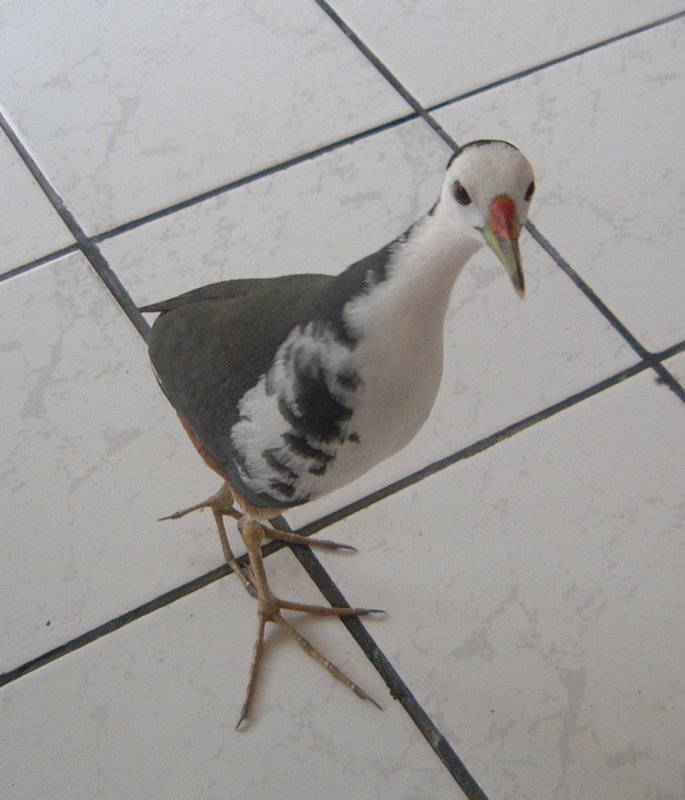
(269, 610)
(222, 505)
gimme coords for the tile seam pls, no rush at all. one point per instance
(121, 620)
(317, 525)
(55, 255)
(384, 667)
(387, 74)
(317, 152)
(84, 243)
(654, 360)
(524, 73)
(252, 177)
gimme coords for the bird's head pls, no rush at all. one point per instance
(488, 188)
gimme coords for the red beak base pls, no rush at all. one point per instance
(503, 218)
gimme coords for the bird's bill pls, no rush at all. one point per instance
(502, 236)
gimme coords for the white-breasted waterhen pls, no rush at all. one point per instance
(292, 387)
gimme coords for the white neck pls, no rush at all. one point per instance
(419, 280)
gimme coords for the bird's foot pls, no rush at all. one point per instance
(296, 538)
(221, 502)
(222, 505)
(269, 610)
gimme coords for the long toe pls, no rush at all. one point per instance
(220, 502)
(328, 611)
(296, 538)
(320, 659)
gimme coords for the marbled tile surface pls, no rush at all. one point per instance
(534, 587)
(537, 610)
(150, 711)
(134, 106)
(440, 49)
(92, 455)
(29, 226)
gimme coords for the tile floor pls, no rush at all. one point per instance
(528, 545)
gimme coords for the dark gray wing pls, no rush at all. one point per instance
(211, 345)
(223, 290)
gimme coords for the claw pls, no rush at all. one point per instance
(297, 538)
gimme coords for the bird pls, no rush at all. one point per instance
(291, 387)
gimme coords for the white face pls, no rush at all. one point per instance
(482, 172)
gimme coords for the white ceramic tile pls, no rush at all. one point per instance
(136, 105)
(150, 711)
(439, 49)
(92, 455)
(503, 359)
(29, 226)
(604, 131)
(535, 599)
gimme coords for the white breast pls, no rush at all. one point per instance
(397, 326)
(400, 362)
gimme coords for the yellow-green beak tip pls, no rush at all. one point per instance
(501, 235)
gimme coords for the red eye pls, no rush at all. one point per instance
(461, 195)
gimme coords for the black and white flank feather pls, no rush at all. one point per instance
(299, 384)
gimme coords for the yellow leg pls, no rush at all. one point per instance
(269, 610)
(222, 505)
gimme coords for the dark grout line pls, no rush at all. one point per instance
(38, 262)
(113, 625)
(122, 620)
(399, 87)
(667, 379)
(589, 293)
(115, 286)
(85, 244)
(398, 688)
(665, 376)
(559, 60)
(471, 450)
(251, 178)
(651, 359)
(673, 350)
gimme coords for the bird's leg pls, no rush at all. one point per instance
(222, 505)
(269, 610)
